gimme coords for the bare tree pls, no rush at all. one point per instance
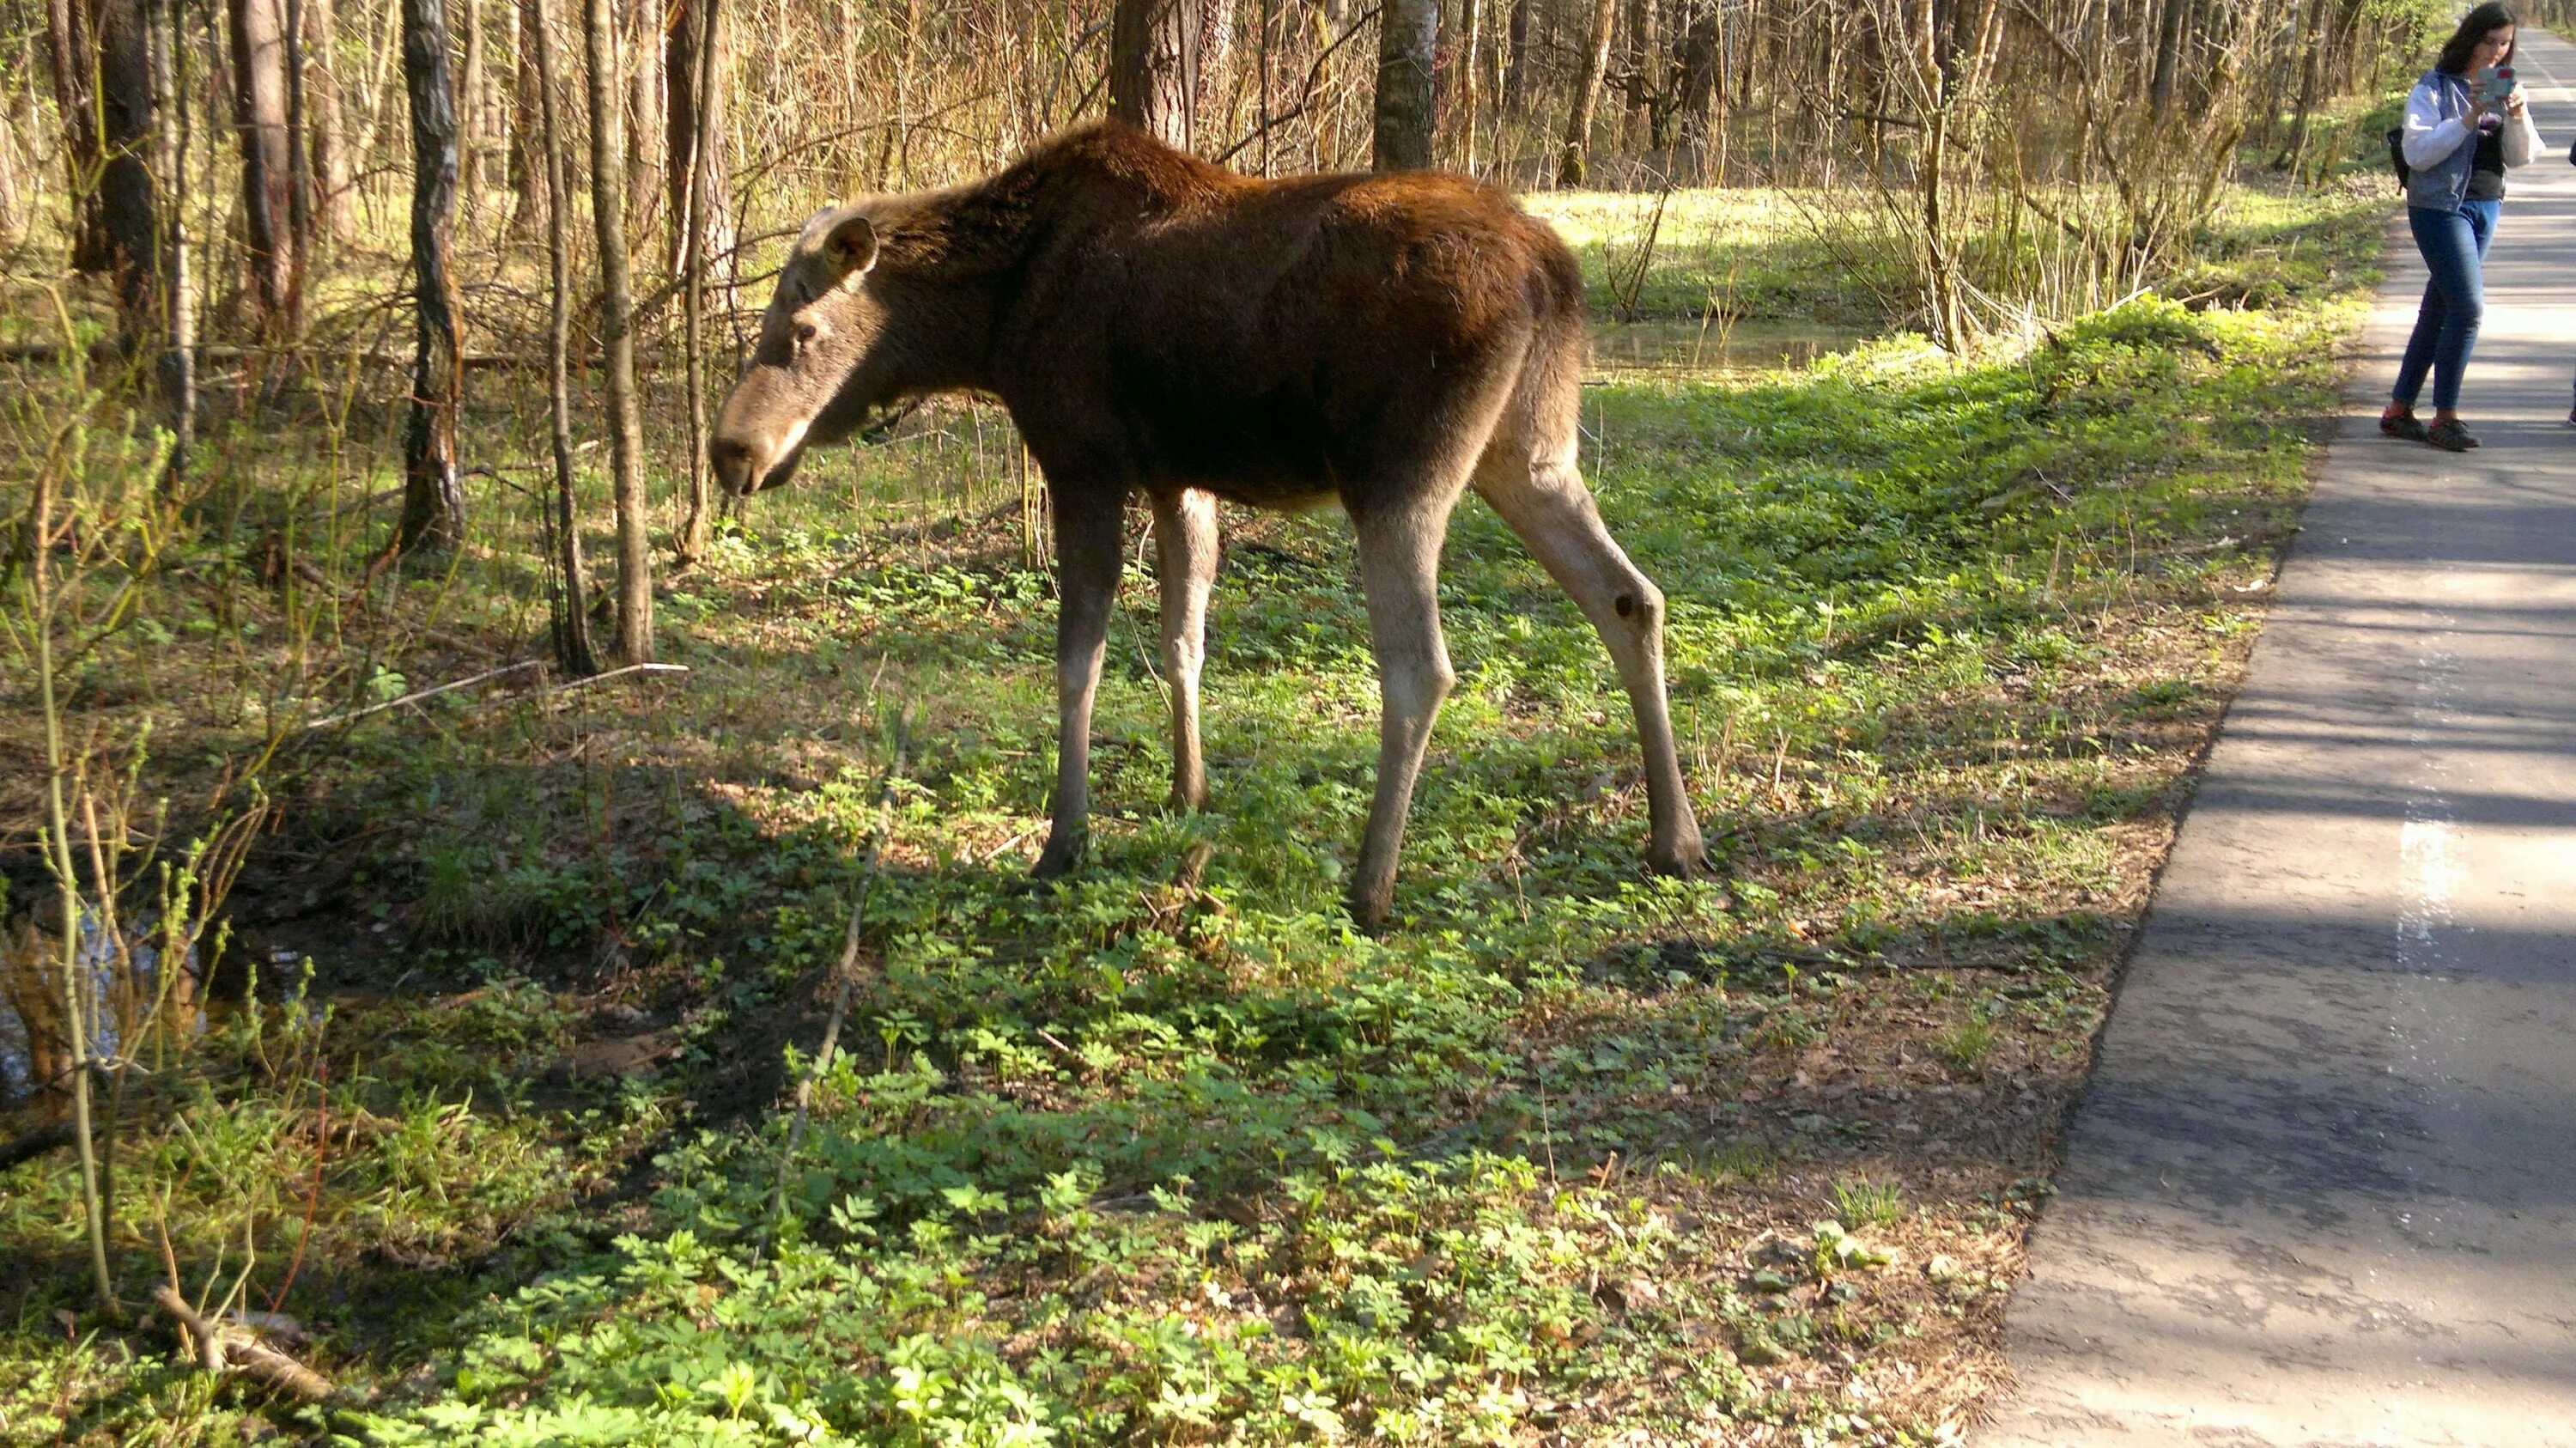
(572, 601)
(433, 515)
(267, 170)
(1408, 39)
(1576, 160)
(326, 139)
(169, 52)
(617, 335)
(100, 53)
(1165, 57)
(695, 148)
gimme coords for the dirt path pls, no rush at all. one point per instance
(2323, 1188)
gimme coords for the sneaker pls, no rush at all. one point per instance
(2406, 425)
(2450, 437)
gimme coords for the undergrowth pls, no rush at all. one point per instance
(1166, 1152)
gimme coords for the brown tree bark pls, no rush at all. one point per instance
(1576, 159)
(100, 55)
(1164, 59)
(695, 149)
(433, 515)
(643, 61)
(2168, 54)
(527, 161)
(470, 112)
(267, 169)
(616, 334)
(571, 613)
(1407, 103)
(694, 68)
(327, 139)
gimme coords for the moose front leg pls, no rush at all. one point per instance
(1086, 556)
(1185, 543)
(1399, 570)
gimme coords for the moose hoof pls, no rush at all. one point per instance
(1685, 861)
(1063, 851)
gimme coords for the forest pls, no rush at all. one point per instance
(503, 942)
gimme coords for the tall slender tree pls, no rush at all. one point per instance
(1575, 162)
(617, 334)
(572, 603)
(326, 138)
(1165, 58)
(1408, 40)
(695, 149)
(171, 134)
(267, 172)
(100, 54)
(433, 513)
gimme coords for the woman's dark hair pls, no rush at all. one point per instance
(2481, 22)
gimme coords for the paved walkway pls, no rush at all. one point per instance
(2323, 1187)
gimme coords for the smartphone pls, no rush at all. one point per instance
(2495, 83)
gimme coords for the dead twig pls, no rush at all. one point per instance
(214, 1349)
(419, 694)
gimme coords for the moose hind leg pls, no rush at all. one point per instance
(1087, 557)
(1185, 543)
(1553, 512)
(1399, 569)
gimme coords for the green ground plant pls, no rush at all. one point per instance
(1166, 1152)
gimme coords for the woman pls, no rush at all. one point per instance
(2457, 145)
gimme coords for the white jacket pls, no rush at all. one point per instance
(2430, 136)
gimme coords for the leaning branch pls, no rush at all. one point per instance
(215, 1348)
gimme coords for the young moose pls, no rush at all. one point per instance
(1156, 324)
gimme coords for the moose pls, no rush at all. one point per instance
(1157, 324)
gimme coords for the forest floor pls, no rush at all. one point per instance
(1166, 1151)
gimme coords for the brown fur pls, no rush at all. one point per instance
(1154, 323)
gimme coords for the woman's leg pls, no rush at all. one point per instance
(2450, 244)
(2418, 359)
(2420, 344)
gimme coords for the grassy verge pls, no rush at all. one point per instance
(1166, 1152)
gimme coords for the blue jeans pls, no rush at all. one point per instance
(2454, 243)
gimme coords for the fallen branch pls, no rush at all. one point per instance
(420, 694)
(36, 1143)
(567, 688)
(213, 1348)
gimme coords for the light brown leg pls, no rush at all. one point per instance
(1087, 557)
(1399, 568)
(1185, 542)
(1553, 512)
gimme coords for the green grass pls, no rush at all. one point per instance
(1172, 1153)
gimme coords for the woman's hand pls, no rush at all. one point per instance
(2514, 105)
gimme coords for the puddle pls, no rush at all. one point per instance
(1688, 346)
(119, 999)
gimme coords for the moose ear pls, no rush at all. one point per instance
(851, 247)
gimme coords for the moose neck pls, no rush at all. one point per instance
(947, 258)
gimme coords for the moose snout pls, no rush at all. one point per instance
(736, 470)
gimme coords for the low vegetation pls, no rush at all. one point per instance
(486, 1097)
